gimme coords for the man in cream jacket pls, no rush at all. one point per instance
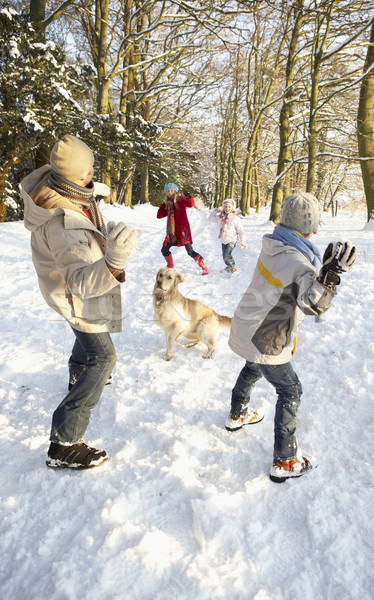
(80, 267)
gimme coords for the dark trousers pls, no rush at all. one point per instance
(289, 390)
(96, 352)
(165, 250)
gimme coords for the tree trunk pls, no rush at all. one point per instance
(365, 125)
(282, 182)
(257, 108)
(144, 177)
(37, 12)
(319, 43)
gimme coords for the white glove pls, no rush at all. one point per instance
(121, 242)
(100, 189)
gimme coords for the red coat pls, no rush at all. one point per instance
(182, 226)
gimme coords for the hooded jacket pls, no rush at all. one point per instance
(283, 290)
(182, 226)
(68, 255)
(233, 228)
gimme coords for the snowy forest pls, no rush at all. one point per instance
(243, 99)
(246, 99)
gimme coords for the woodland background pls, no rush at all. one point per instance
(244, 99)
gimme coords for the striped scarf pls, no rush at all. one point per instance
(224, 221)
(79, 196)
(170, 224)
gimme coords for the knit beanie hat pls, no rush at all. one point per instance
(71, 158)
(229, 202)
(171, 186)
(300, 212)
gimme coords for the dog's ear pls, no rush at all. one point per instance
(179, 278)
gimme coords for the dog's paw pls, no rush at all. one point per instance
(167, 357)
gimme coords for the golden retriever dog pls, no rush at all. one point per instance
(178, 315)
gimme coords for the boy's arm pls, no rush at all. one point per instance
(316, 299)
(338, 258)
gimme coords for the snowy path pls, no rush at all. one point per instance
(184, 509)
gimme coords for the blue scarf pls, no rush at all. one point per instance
(291, 238)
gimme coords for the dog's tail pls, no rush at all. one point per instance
(224, 321)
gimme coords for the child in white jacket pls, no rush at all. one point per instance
(230, 230)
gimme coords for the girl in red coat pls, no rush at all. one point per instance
(178, 232)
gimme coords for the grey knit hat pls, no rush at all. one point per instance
(300, 212)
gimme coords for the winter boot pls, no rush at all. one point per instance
(169, 260)
(75, 456)
(235, 423)
(201, 264)
(296, 467)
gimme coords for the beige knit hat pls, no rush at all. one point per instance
(71, 158)
(300, 212)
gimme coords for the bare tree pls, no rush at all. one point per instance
(365, 127)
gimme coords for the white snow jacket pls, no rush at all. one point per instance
(283, 290)
(68, 255)
(233, 229)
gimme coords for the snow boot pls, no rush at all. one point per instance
(200, 262)
(296, 467)
(75, 456)
(235, 423)
(169, 261)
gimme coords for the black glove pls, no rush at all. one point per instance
(338, 257)
(186, 194)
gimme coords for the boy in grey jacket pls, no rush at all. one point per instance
(285, 287)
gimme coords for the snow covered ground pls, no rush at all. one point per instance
(184, 509)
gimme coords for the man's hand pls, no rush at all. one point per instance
(121, 242)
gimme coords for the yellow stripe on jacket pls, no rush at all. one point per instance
(268, 276)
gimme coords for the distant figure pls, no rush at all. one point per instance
(80, 266)
(178, 231)
(230, 230)
(288, 283)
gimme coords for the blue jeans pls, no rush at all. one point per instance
(289, 390)
(227, 254)
(96, 352)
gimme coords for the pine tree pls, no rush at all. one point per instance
(41, 98)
